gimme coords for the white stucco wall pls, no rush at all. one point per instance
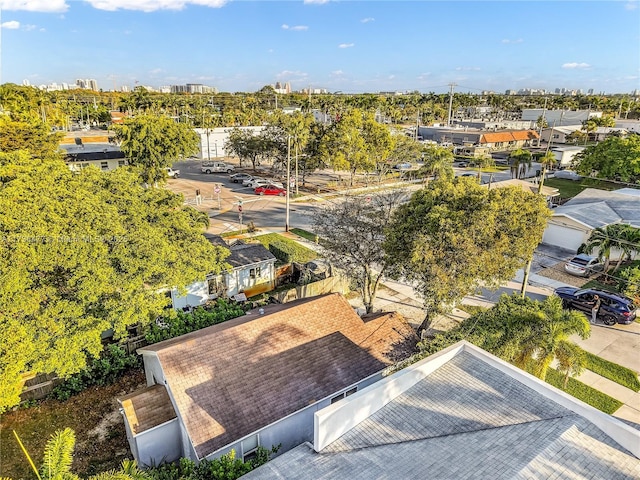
(159, 444)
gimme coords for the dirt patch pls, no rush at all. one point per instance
(556, 272)
(101, 442)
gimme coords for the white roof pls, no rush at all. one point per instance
(599, 208)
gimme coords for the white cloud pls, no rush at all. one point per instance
(10, 25)
(573, 65)
(631, 5)
(156, 71)
(518, 40)
(316, 2)
(346, 45)
(28, 27)
(468, 69)
(152, 5)
(367, 20)
(295, 27)
(46, 6)
(291, 74)
(337, 73)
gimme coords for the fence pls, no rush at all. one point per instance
(337, 283)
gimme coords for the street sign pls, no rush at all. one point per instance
(216, 189)
(240, 208)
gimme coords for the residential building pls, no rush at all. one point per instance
(550, 193)
(257, 380)
(252, 272)
(461, 414)
(556, 135)
(628, 125)
(573, 222)
(492, 140)
(104, 156)
(565, 155)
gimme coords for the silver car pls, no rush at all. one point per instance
(583, 265)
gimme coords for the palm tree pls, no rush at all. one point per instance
(548, 161)
(604, 239)
(571, 361)
(520, 161)
(58, 457)
(548, 336)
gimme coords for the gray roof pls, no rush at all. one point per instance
(466, 420)
(598, 208)
(243, 254)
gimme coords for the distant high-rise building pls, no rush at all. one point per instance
(80, 83)
(26, 83)
(124, 88)
(92, 84)
(590, 91)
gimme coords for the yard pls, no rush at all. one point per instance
(101, 442)
(570, 188)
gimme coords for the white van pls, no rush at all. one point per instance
(216, 167)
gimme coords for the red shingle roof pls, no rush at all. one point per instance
(508, 136)
(232, 379)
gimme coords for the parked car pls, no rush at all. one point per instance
(216, 167)
(257, 182)
(402, 166)
(614, 308)
(171, 173)
(270, 189)
(583, 265)
(240, 177)
(568, 174)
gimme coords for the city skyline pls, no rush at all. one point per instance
(349, 47)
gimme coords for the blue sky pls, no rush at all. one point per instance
(348, 46)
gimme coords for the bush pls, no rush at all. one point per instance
(105, 370)
(227, 467)
(299, 253)
(182, 322)
(282, 252)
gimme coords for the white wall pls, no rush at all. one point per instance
(197, 294)
(159, 444)
(214, 140)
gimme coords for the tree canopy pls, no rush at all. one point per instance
(353, 235)
(154, 142)
(615, 158)
(453, 237)
(82, 253)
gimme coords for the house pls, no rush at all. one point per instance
(602, 133)
(252, 272)
(257, 380)
(560, 135)
(560, 118)
(565, 155)
(83, 153)
(572, 223)
(509, 140)
(461, 414)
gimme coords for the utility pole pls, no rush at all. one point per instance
(286, 222)
(296, 146)
(544, 111)
(451, 85)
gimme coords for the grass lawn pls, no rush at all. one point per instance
(614, 372)
(101, 442)
(571, 188)
(304, 234)
(584, 392)
(301, 254)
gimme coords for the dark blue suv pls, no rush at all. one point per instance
(614, 308)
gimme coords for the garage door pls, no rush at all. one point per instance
(563, 237)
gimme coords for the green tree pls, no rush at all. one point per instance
(345, 148)
(548, 162)
(33, 136)
(604, 240)
(453, 237)
(519, 162)
(571, 360)
(353, 236)
(548, 337)
(82, 253)
(438, 162)
(154, 142)
(247, 145)
(614, 158)
(58, 457)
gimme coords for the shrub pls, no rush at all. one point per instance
(282, 251)
(104, 370)
(182, 322)
(300, 253)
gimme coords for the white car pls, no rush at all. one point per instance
(171, 173)
(583, 265)
(257, 182)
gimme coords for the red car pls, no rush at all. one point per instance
(270, 190)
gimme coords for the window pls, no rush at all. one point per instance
(216, 285)
(121, 163)
(254, 272)
(104, 165)
(250, 447)
(337, 398)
